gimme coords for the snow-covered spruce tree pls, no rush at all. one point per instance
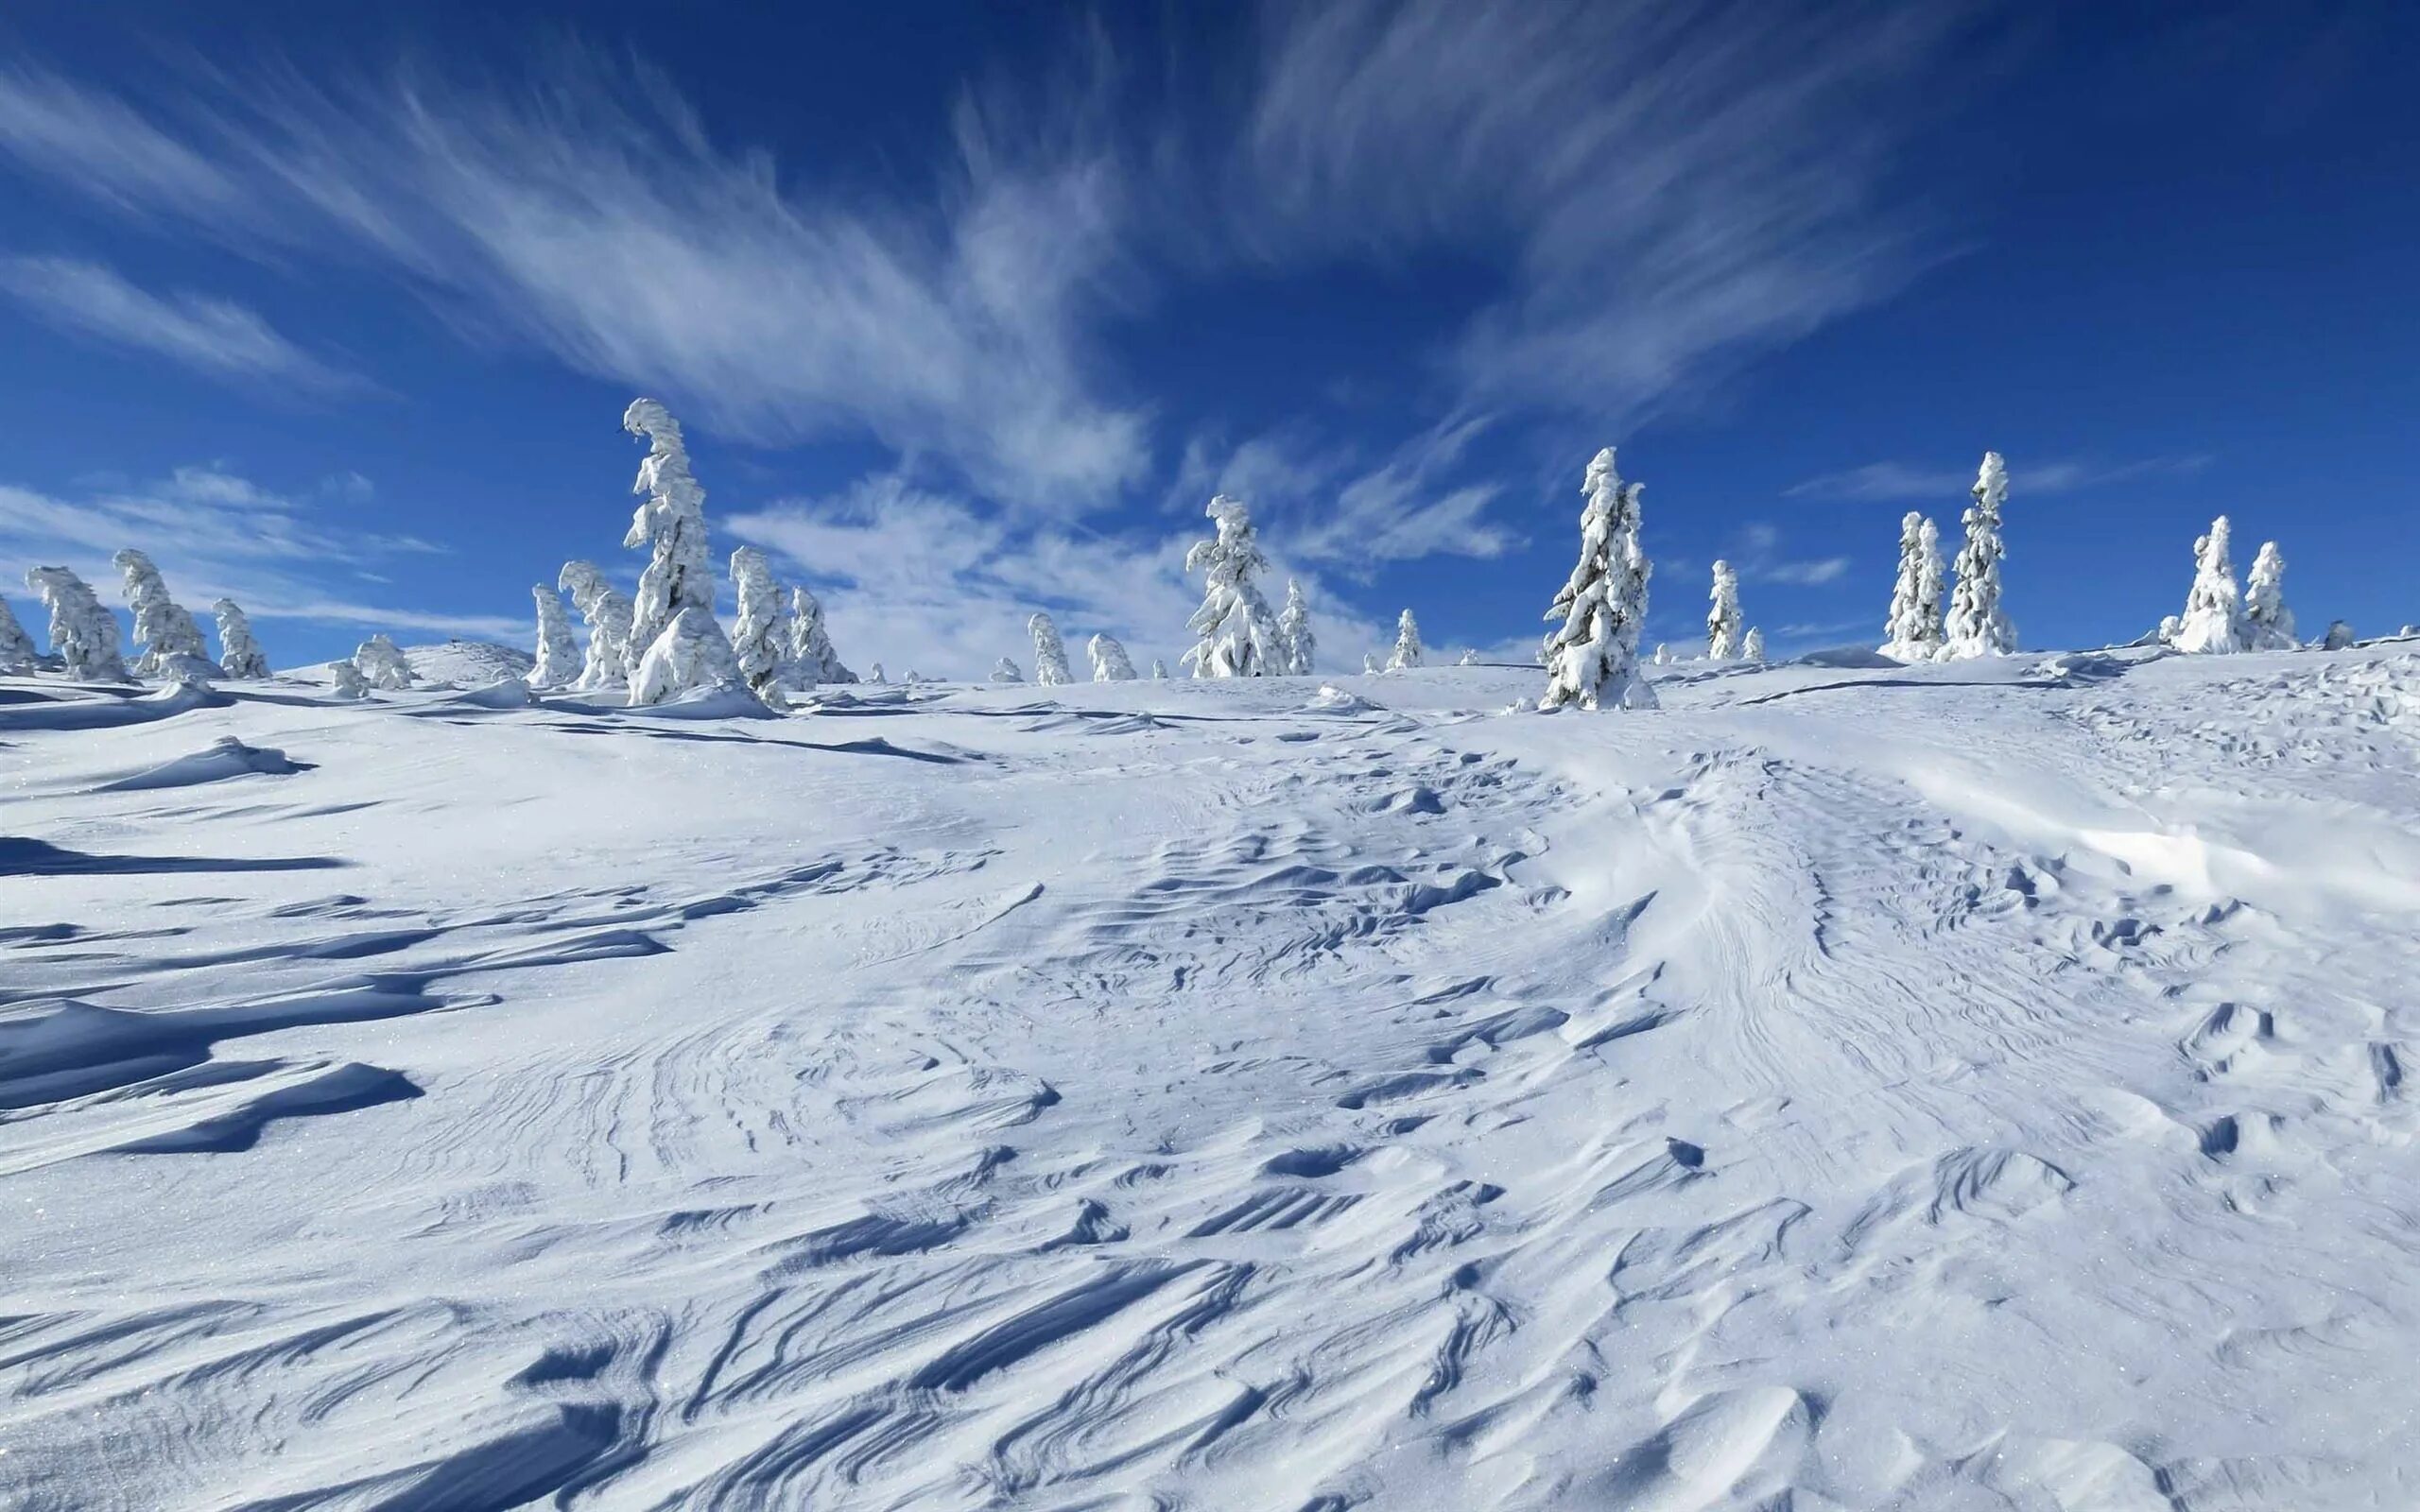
(172, 645)
(1049, 652)
(1005, 670)
(239, 650)
(2268, 624)
(1722, 620)
(558, 662)
(1296, 647)
(1468, 659)
(1913, 632)
(350, 683)
(1408, 652)
(1110, 663)
(382, 664)
(677, 590)
(1236, 635)
(2213, 619)
(1977, 626)
(760, 642)
(83, 635)
(813, 660)
(17, 650)
(1159, 670)
(1370, 664)
(1592, 659)
(1752, 648)
(608, 613)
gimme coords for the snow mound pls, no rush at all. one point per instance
(226, 758)
(510, 693)
(469, 664)
(725, 700)
(1339, 700)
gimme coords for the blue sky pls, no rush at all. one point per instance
(969, 308)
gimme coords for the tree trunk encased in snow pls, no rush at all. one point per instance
(239, 651)
(558, 663)
(1722, 619)
(18, 652)
(813, 660)
(1592, 659)
(1005, 670)
(382, 664)
(2212, 623)
(2268, 624)
(83, 635)
(1977, 624)
(760, 641)
(1049, 652)
(172, 645)
(608, 613)
(671, 525)
(1236, 635)
(1298, 648)
(1913, 632)
(1409, 652)
(691, 654)
(1109, 660)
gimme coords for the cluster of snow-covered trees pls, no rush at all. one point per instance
(2218, 618)
(1917, 629)
(88, 644)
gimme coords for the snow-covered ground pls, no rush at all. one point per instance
(1980, 1086)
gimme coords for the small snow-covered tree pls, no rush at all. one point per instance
(875, 673)
(2268, 624)
(2213, 620)
(2339, 635)
(1005, 670)
(1592, 659)
(1296, 647)
(17, 650)
(171, 642)
(1159, 670)
(1468, 659)
(1752, 648)
(83, 635)
(1110, 663)
(760, 644)
(1369, 663)
(1663, 655)
(1913, 632)
(350, 683)
(607, 610)
(1977, 624)
(1722, 620)
(1049, 652)
(813, 660)
(691, 654)
(239, 651)
(1408, 652)
(383, 663)
(671, 527)
(1236, 636)
(557, 660)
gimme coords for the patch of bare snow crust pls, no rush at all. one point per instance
(1851, 1085)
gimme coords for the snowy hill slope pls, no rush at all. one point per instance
(463, 664)
(1978, 1086)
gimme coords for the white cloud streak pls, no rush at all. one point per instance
(216, 337)
(1895, 482)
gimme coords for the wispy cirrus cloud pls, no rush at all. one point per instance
(216, 337)
(1890, 482)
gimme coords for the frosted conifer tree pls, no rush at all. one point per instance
(559, 660)
(1369, 663)
(2213, 619)
(350, 683)
(1005, 670)
(1296, 647)
(1110, 663)
(671, 524)
(382, 664)
(2268, 624)
(875, 673)
(1408, 652)
(1977, 626)
(608, 613)
(760, 644)
(1237, 636)
(17, 650)
(172, 644)
(1752, 648)
(1722, 620)
(1049, 652)
(1159, 670)
(2339, 635)
(1468, 659)
(83, 635)
(813, 660)
(1663, 655)
(239, 652)
(691, 654)
(1592, 659)
(1915, 631)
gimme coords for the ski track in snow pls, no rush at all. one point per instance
(1974, 1087)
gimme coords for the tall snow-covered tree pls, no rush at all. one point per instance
(1977, 624)
(1408, 652)
(1722, 619)
(382, 663)
(171, 642)
(1913, 632)
(1006, 670)
(1049, 652)
(1236, 635)
(239, 650)
(2268, 624)
(1752, 648)
(2213, 618)
(17, 650)
(671, 527)
(760, 644)
(559, 660)
(83, 635)
(813, 660)
(607, 610)
(1592, 659)
(1298, 648)
(350, 683)
(1110, 663)
(1159, 670)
